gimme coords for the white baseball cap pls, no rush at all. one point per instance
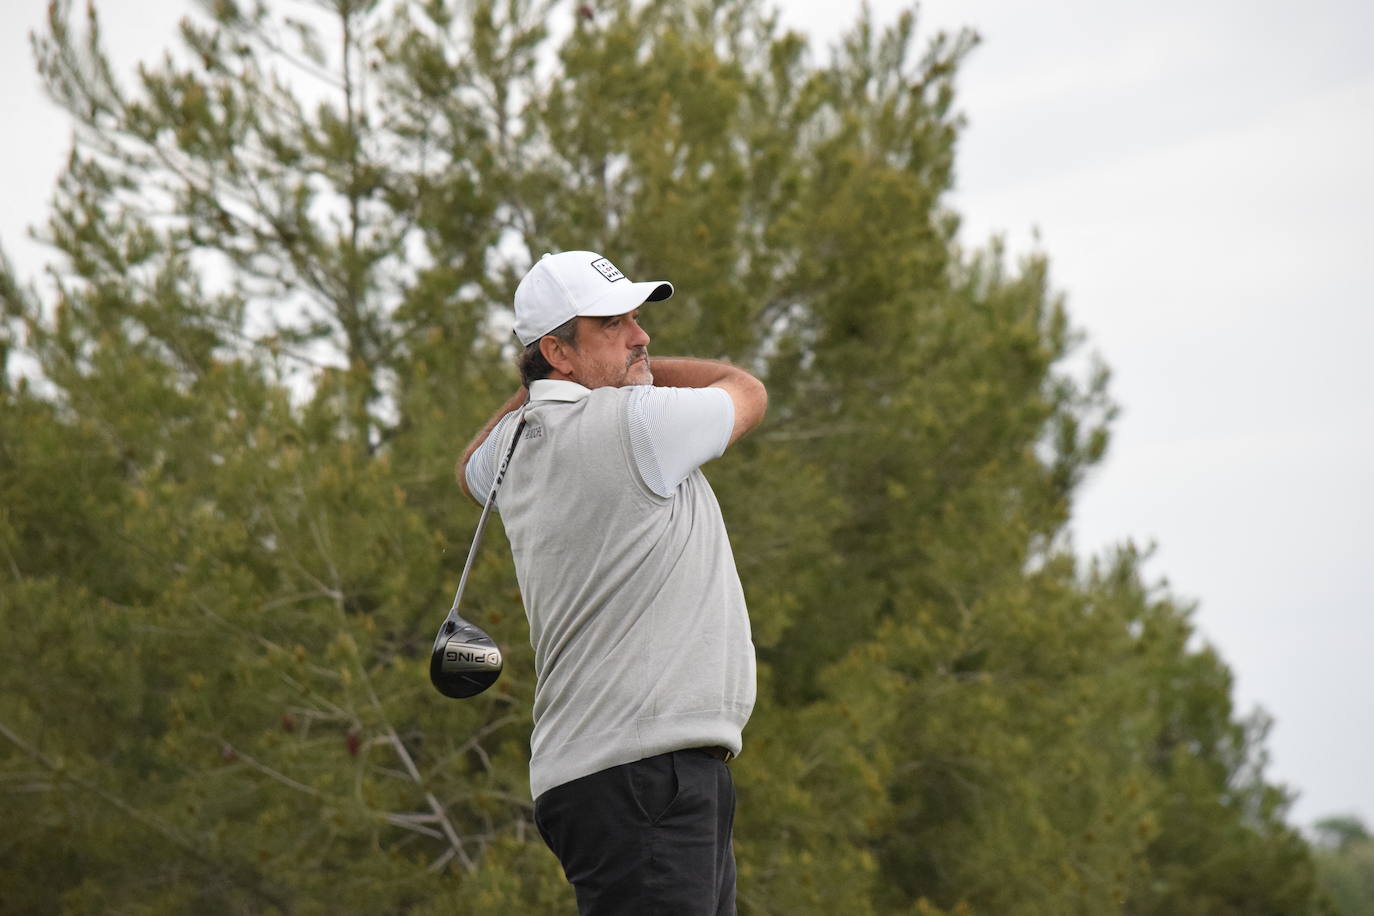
(559, 287)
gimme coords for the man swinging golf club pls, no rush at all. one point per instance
(641, 636)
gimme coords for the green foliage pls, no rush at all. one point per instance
(228, 524)
(1345, 864)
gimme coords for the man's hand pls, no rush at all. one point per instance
(748, 394)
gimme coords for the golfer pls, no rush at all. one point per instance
(641, 636)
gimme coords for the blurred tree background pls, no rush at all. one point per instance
(1345, 864)
(283, 258)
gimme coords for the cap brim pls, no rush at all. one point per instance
(627, 298)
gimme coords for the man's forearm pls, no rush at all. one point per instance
(688, 372)
(460, 469)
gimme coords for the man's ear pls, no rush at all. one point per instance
(556, 354)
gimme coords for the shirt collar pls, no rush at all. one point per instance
(556, 389)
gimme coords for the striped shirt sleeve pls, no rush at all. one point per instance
(482, 466)
(673, 431)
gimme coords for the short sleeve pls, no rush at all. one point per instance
(483, 464)
(674, 431)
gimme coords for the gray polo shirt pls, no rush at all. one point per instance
(637, 618)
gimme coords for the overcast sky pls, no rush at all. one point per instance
(1200, 176)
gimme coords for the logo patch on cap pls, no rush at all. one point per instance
(607, 269)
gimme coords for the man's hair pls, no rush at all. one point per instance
(531, 362)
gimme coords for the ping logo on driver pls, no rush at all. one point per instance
(467, 657)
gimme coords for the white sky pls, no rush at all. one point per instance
(1200, 177)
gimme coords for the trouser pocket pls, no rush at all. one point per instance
(654, 783)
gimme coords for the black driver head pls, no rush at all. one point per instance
(465, 660)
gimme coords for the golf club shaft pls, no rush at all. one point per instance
(486, 511)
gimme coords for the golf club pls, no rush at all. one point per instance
(465, 660)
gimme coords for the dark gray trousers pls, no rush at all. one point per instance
(649, 838)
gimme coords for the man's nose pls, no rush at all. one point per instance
(640, 337)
